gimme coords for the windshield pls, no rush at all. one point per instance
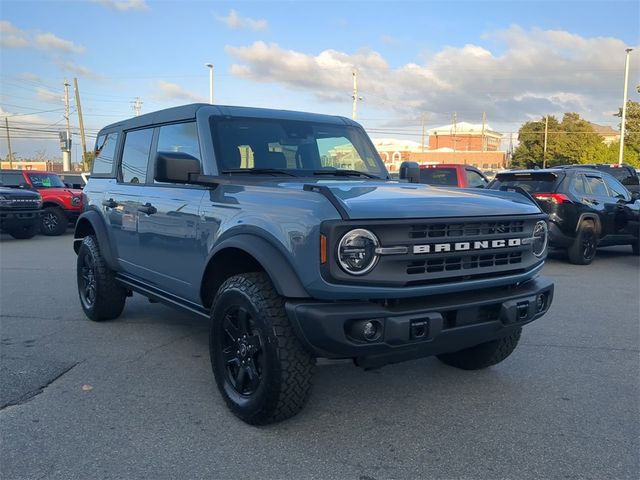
(245, 145)
(46, 180)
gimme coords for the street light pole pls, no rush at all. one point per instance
(624, 105)
(210, 65)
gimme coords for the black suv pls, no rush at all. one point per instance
(19, 212)
(587, 208)
(625, 174)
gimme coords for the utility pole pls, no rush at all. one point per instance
(6, 124)
(484, 123)
(354, 96)
(455, 129)
(66, 153)
(210, 65)
(544, 150)
(424, 119)
(83, 140)
(137, 106)
(624, 106)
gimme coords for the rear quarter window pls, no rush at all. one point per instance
(104, 154)
(439, 176)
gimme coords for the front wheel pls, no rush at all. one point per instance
(483, 355)
(54, 221)
(261, 369)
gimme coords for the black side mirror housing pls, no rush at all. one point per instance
(410, 171)
(175, 167)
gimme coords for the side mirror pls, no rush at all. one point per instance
(175, 167)
(410, 171)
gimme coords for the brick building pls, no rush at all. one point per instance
(465, 137)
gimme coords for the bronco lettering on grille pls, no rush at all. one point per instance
(464, 246)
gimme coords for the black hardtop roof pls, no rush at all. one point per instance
(531, 170)
(187, 112)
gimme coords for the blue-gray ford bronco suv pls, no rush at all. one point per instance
(284, 230)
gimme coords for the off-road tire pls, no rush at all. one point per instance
(579, 252)
(483, 355)
(25, 232)
(284, 384)
(53, 222)
(109, 297)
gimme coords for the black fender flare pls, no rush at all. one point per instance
(590, 216)
(94, 220)
(284, 278)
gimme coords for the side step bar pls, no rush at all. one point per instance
(161, 296)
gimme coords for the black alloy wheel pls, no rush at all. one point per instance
(53, 221)
(242, 350)
(87, 280)
(589, 244)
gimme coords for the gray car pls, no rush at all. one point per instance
(285, 231)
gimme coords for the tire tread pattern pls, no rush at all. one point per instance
(296, 366)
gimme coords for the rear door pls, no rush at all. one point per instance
(597, 198)
(122, 199)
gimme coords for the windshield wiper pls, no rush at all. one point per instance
(273, 171)
(345, 173)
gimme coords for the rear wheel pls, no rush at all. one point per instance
(24, 232)
(483, 355)
(583, 250)
(261, 369)
(54, 221)
(100, 296)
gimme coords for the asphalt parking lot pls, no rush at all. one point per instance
(135, 398)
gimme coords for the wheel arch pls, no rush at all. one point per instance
(248, 253)
(91, 223)
(592, 217)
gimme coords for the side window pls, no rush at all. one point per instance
(104, 154)
(595, 186)
(616, 190)
(475, 180)
(135, 156)
(577, 185)
(12, 179)
(181, 137)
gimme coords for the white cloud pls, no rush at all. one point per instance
(536, 72)
(46, 95)
(235, 21)
(49, 41)
(389, 40)
(11, 36)
(167, 91)
(124, 5)
(79, 70)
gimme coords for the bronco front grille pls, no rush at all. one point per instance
(23, 202)
(466, 229)
(463, 262)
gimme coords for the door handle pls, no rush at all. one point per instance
(147, 209)
(111, 203)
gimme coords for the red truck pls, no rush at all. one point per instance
(60, 205)
(452, 175)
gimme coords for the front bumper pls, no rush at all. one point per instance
(10, 220)
(449, 322)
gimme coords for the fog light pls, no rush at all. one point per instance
(541, 302)
(365, 330)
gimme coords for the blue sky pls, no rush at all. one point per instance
(513, 60)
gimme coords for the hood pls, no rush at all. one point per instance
(18, 191)
(61, 191)
(391, 200)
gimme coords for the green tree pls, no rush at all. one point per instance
(631, 134)
(570, 141)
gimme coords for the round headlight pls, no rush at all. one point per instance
(357, 251)
(540, 238)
